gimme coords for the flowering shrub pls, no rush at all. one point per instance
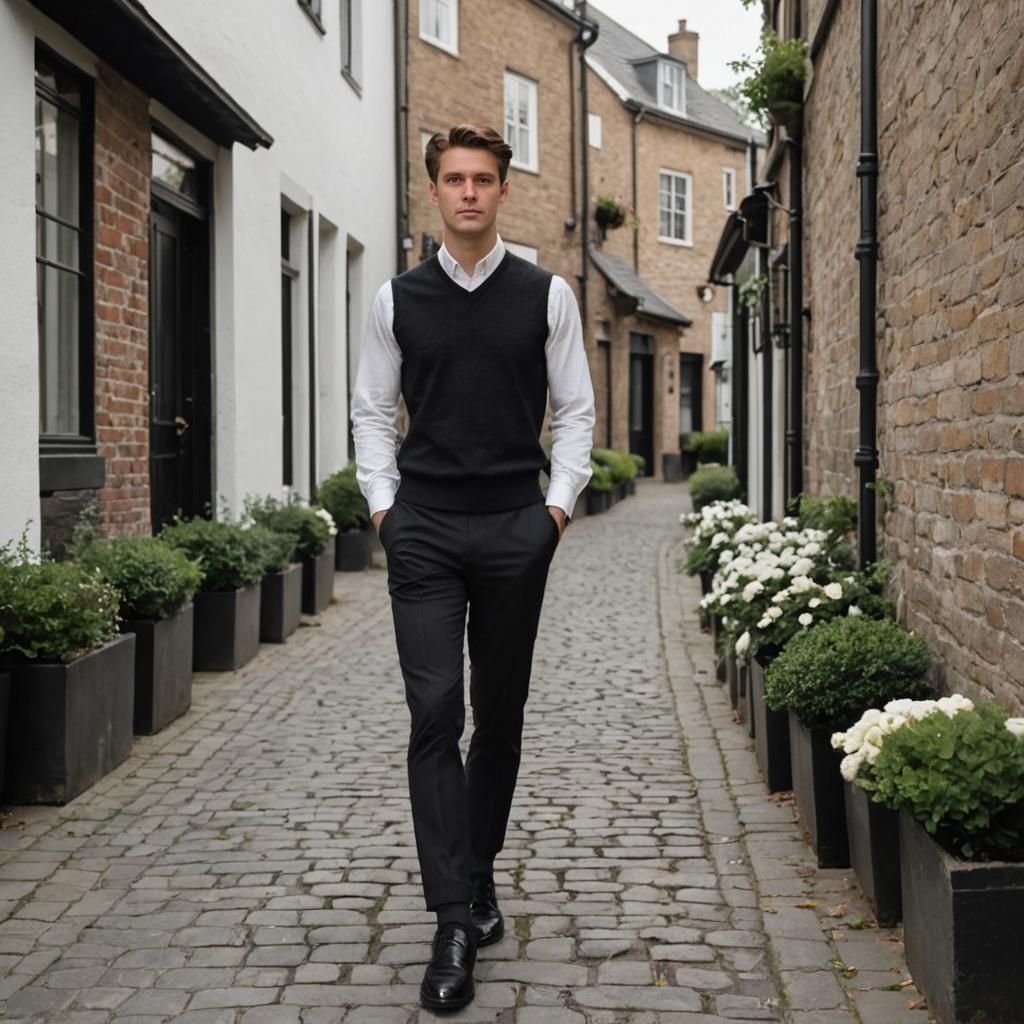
(340, 495)
(229, 555)
(311, 528)
(714, 528)
(828, 675)
(960, 775)
(52, 611)
(713, 483)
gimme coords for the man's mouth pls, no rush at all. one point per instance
(469, 213)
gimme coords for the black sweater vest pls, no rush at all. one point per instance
(474, 379)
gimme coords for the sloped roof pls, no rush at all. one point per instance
(620, 274)
(613, 51)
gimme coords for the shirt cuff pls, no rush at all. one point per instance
(380, 499)
(560, 494)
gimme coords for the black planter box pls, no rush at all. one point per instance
(671, 467)
(227, 628)
(318, 580)
(5, 701)
(874, 834)
(597, 501)
(163, 669)
(69, 724)
(961, 929)
(352, 550)
(771, 733)
(280, 604)
(706, 579)
(819, 792)
(716, 632)
(631, 485)
(688, 464)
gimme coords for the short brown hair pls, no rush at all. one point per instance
(473, 135)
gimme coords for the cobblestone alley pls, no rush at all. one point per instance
(254, 863)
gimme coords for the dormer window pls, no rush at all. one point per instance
(672, 87)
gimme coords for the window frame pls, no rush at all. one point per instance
(676, 71)
(687, 240)
(349, 25)
(313, 9)
(729, 184)
(533, 127)
(453, 24)
(84, 440)
(595, 121)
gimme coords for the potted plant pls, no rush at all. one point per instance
(280, 586)
(774, 83)
(598, 489)
(708, 446)
(227, 605)
(713, 483)
(956, 777)
(314, 532)
(714, 528)
(341, 496)
(155, 584)
(825, 678)
(621, 466)
(72, 677)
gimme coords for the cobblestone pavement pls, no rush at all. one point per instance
(255, 861)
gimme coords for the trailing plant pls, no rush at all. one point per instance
(752, 289)
(340, 495)
(709, 446)
(52, 611)
(229, 555)
(961, 776)
(153, 580)
(830, 674)
(774, 81)
(713, 483)
(609, 212)
(311, 527)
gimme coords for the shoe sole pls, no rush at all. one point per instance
(430, 1003)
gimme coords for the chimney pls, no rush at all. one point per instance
(683, 44)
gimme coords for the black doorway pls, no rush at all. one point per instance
(180, 437)
(641, 398)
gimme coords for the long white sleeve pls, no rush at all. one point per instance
(571, 395)
(375, 404)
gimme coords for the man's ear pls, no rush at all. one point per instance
(432, 191)
(503, 194)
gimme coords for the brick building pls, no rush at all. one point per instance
(516, 65)
(181, 335)
(944, 325)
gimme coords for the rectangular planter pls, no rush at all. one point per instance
(671, 467)
(874, 835)
(318, 580)
(5, 704)
(227, 628)
(163, 669)
(961, 929)
(716, 632)
(280, 604)
(352, 550)
(818, 788)
(706, 578)
(69, 724)
(631, 485)
(771, 734)
(597, 501)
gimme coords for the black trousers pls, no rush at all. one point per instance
(440, 563)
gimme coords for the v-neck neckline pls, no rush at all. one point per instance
(467, 294)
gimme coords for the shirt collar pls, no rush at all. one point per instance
(453, 268)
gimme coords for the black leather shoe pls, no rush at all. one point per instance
(483, 908)
(448, 981)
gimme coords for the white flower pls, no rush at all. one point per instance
(806, 619)
(801, 584)
(774, 613)
(834, 591)
(326, 516)
(853, 611)
(1016, 726)
(801, 567)
(752, 589)
(743, 643)
(814, 602)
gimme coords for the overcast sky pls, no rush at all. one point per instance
(727, 30)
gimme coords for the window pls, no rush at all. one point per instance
(594, 130)
(672, 87)
(521, 120)
(674, 208)
(527, 252)
(64, 261)
(312, 8)
(439, 24)
(729, 188)
(350, 35)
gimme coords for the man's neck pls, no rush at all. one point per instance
(469, 251)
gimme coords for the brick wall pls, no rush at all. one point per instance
(122, 161)
(950, 320)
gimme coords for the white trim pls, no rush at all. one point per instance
(676, 87)
(531, 126)
(687, 211)
(613, 83)
(729, 178)
(452, 6)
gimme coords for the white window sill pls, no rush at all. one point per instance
(534, 169)
(672, 110)
(453, 50)
(676, 241)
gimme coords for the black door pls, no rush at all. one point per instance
(179, 363)
(691, 394)
(641, 398)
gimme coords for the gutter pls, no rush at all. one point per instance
(585, 38)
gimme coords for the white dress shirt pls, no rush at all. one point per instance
(570, 391)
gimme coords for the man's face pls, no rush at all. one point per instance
(467, 190)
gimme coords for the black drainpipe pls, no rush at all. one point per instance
(795, 412)
(401, 55)
(586, 38)
(767, 410)
(866, 253)
(638, 114)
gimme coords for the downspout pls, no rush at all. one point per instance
(401, 54)
(866, 253)
(312, 316)
(637, 118)
(586, 38)
(767, 409)
(795, 391)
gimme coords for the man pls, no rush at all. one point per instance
(474, 339)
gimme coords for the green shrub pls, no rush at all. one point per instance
(310, 527)
(340, 495)
(713, 483)
(775, 77)
(229, 555)
(601, 478)
(639, 461)
(277, 549)
(710, 446)
(621, 466)
(153, 579)
(833, 672)
(52, 611)
(960, 776)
